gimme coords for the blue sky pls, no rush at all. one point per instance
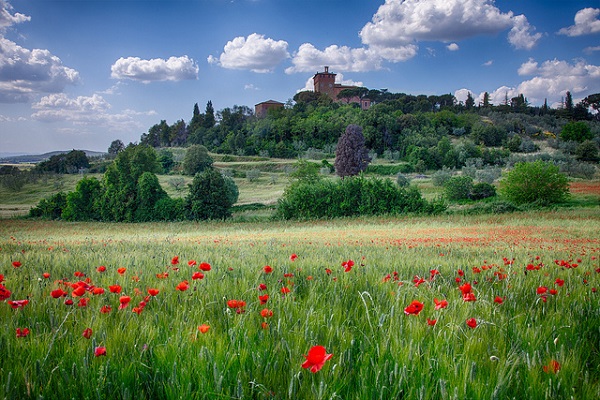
(82, 73)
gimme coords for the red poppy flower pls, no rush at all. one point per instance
(203, 328)
(4, 293)
(288, 275)
(204, 266)
(175, 260)
(100, 351)
(264, 325)
(471, 322)
(266, 313)
(192, 263)
(469, 297)
(58, 293)
(316, 358)
(285, 290)
(552, 368)
(466, 288)
(460, 272)
(263, 299)
(68, 302)
(182, 286)
(97, 291)
(541, 290)
(153, 292)
(236, 303)
(115, 289)
(16, 264)
(83, 302)
(197, 275)
(18, 303)
(431, 322)
(499, 300)
(124, 302)
(78, 274)
(1, 278)
(101, 268)
(327, 271)
(87, 333)
(559, 282)
(46, 275)
(293, 257)
(414, 308)
(121, 270)
(80, 291)
(267, 269)
(22, 332)
(553, 292)
(348, 265)
(440, 303)
(105, 309)
(262, 286)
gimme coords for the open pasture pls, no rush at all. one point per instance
(495, 307)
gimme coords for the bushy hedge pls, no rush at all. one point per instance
(351, 196)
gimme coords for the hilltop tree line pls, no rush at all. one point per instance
(417, 129)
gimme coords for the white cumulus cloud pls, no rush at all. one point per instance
(453, 47)
(25, 73)
(401, 22)
(587, 21)
(156, 69)
(85, 111)
(340, 58)
(255, 53)
(7, 18)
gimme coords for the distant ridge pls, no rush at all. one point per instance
(36, 158)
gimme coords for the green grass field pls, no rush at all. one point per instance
(533, 303)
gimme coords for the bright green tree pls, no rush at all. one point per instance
(209, 197)
(536, 182)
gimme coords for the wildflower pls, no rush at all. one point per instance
(541, 290)
(192, 263)
(267, 269)
(285, 290)
(124, 302)
(100, 351)
(46, 275)
(101, 268)
(499, 300)
(466, 288)
(68, 302)
(348, 265)
(83, 302)
(197, 275)
(417, 280)
(471, 322)
(469, 297)
(316, 358)
(431, 322)
(293, 257)
(22, 332)
(559, 282)
(327, 271)
(153, 292)
(97, 290)
(203, 328)
(414, 308)
(552, 368)
(105, 309)
(4, 292)
(121, 270)
(263, 299)
(78, 274)
(264, 325)
(288, 275)
(57, 293)
(175, 260)
(16, 264)
(262, 287)
(87, 333)
(266, 313)
(182, 286)
(18, 303)
(79, 291)
(115, 289)
(204, 266)
(439, 304)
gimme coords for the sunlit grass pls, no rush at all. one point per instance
(378, 350)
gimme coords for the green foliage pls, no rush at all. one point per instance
(149, 193)
(389, 169)
(587, 151)
(482, 190)
(65, 163)
(12, 178)
(82, 204)
(402, 180)
(209, 197)
(305, 171)
(351, 155)
(50, 208)
(169, 209)
(166, 160)
(196, 160)
(233, 192)
(458, 188)
(349, 197)
(536, 182)
(578, 131)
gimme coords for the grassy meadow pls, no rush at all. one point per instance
(163, 326)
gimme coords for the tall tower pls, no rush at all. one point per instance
(324, 82)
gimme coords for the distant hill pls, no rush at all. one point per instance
(36, 158)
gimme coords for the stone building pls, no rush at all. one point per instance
(324, 82)
(261, 109)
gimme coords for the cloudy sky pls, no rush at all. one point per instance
(82, 73)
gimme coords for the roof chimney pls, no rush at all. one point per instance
(327, 69)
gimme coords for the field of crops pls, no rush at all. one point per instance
(494, 307)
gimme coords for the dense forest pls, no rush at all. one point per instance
(428, 132)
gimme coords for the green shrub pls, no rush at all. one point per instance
(196, 160)
(208, 197)
(82, 204)
(458, 188)
(576, 131)
(482, 190)
(50, 208)
(350, 196)
(536, 182)
(402, 180)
